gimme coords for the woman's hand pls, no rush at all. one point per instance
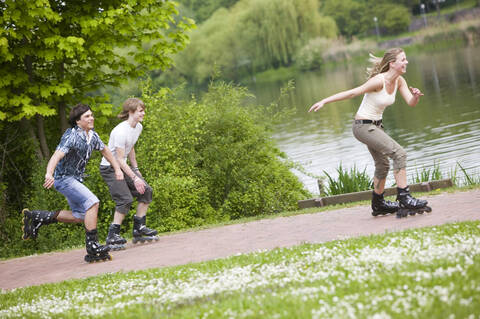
(415, 92)
(317, 106)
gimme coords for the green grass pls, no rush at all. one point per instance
(421, 273)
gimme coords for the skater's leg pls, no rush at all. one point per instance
(379, 185)
(118, 218)
(400, 177)
(142, 209)
(66, 216)
(91, 217)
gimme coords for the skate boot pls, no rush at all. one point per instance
(142, 233)
(409, 205)
(114, 240)
(380, 206)
(32, 220)
(95, 251)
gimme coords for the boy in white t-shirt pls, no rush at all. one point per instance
(122, 145)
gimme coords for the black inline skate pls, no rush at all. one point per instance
(380, 206)
(142, 233)
(32, 220)
(409, 205)
(95, 251)
(114, 240)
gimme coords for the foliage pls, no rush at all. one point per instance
(348, 15)
(54, 51)
(251, 36)
(203, 9)
(469, 179)
(393, 18)
(215, 156)
(428, 174)
(348, 181)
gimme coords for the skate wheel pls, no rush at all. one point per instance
(428, 209)
(374, 213)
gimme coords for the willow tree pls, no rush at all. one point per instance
(52, 52)
(252, 35)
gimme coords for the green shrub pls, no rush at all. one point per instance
(348, 181)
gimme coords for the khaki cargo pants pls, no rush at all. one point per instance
(382, 147)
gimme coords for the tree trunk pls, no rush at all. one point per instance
(437, 6)
(62, 113)
(62, 106)
(26, 126)
(41, 136)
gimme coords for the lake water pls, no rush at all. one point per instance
(443, 129)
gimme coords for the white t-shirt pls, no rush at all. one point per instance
(123, 136)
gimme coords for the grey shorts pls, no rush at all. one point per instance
(123, 191)
(382, 148)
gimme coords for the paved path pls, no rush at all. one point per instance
(196, 246)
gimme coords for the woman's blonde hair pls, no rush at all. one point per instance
(130, 105)
(380, 65)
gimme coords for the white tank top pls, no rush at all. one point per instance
(374, 103)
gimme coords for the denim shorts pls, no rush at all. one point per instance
(79, 197)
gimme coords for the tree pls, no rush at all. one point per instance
(53, 52)
(347, 14)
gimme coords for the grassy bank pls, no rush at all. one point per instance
(422, 273)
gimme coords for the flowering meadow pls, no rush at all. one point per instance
(422, 273)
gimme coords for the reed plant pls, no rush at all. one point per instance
(348, 181)
(426, 174)
(469, 178)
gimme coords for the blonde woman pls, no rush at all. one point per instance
(384, 80)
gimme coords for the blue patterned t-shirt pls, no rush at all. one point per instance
(77, 152)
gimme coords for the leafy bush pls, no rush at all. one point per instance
(212, 160)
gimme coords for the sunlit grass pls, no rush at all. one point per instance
(423, 273)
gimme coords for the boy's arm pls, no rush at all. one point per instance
(52, 163)
(109, 156)
(133, 161)
(139, 184)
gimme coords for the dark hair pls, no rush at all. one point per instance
(77, 112)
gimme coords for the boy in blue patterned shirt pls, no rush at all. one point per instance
(65, 171)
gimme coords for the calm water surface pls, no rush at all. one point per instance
(443, 129)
